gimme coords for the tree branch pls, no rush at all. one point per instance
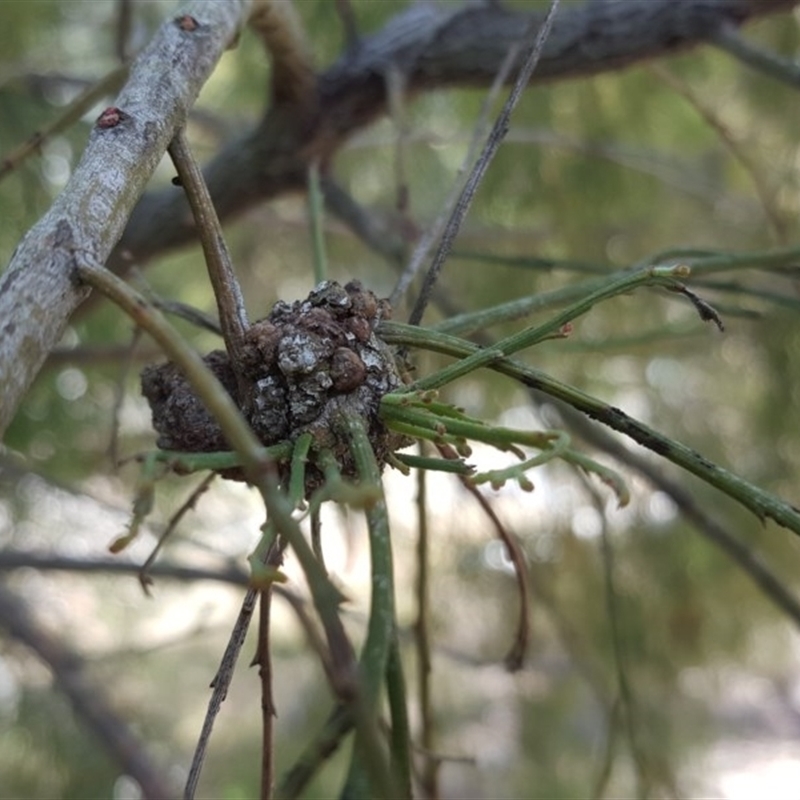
(432, 48)
(39, 291)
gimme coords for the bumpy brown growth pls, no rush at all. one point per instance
(302, 367)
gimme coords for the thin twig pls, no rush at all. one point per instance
(186, 312)
(515, 657)
(119, 397)
(186, 506)
(396, 90)
(496, 136)
(445, 215)
(222, 680)
(429, 778)
(18, 559)
(626, 696)
(264, 661)
(766, 196)
(729, 39)
(228, 293)
(71, 115)
(226, 573)
(219, 686)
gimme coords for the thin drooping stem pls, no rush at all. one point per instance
(186, 506)
(82, 104)
(498, 133)
(434, 231)
(516, 654)
(624, 688)
(366, 765)
(430, 768)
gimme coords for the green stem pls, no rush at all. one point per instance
(398, 709)
(430, 765)
(395, 409)
(224, 459)
(700, 263)
(380, 628)
(216, 400)
(721, 262)
(515, 309)
(325, 744)
(297, 474)
(653, 276)
(762, 503)
(455, 466)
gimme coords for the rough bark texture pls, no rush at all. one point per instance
(38, 292)
(433, 46)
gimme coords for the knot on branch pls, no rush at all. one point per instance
(302, 367)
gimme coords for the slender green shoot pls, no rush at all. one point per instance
(666, 277)
(297, 475)
(762, 503)
(367, 773)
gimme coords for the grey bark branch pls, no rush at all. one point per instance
(38, 291)
(447, 48)
(432, 48)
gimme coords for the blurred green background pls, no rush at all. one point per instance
(604, 171)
